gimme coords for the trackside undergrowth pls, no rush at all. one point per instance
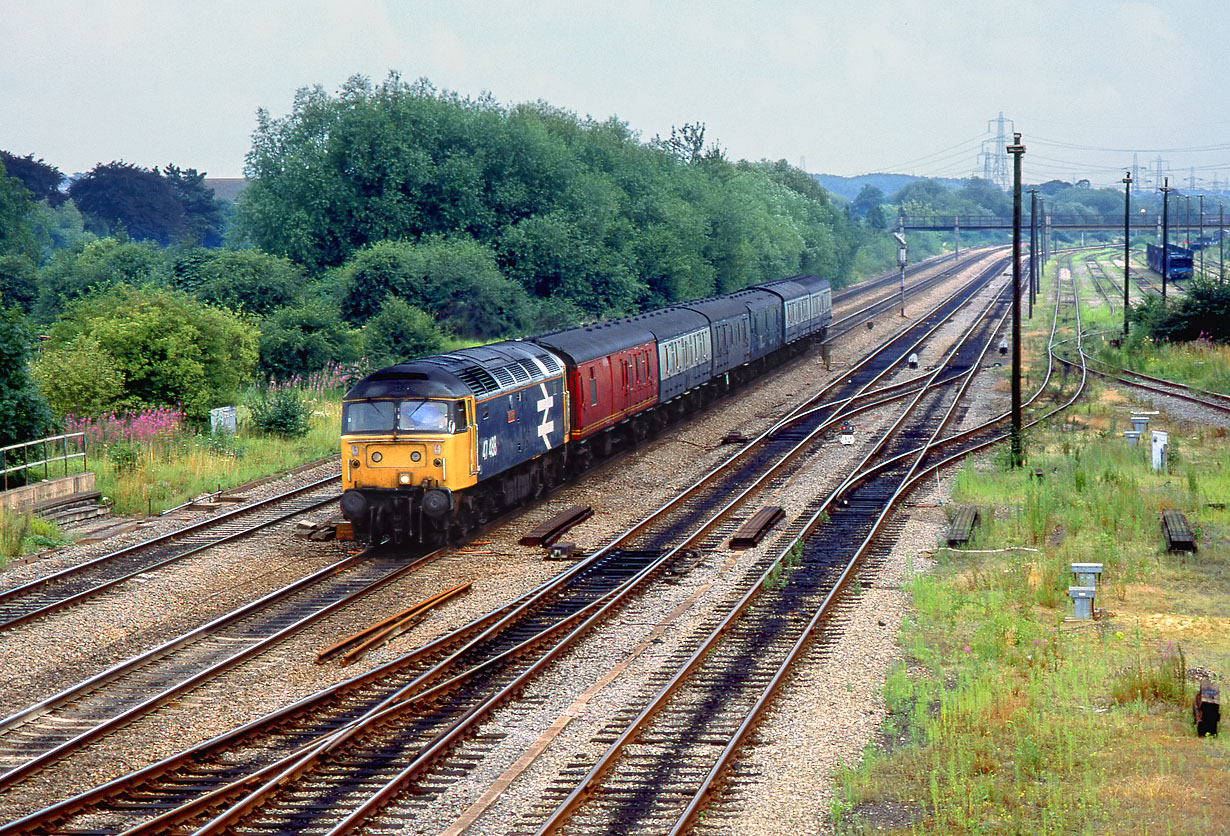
(1008, 717)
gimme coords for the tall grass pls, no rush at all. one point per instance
(1200, 363)
(148, 461)
(22, 533)
(1005, 719)
(155, 474)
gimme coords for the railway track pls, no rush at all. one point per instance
(660, 769)
(1217, 401)
(66, 722)
(1101, 282)
(472, 671)
(868, 310)
(75, 584)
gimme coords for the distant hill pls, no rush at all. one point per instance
(890, 184)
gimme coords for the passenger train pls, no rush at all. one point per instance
(437, 446)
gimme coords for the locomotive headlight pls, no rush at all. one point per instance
(416, 456)
(376, 456)
(403, 478)
(354, 464)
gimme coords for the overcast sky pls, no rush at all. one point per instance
(843, 86)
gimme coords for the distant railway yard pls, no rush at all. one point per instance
(642, 674)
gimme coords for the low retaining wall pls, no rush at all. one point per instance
(19, 499)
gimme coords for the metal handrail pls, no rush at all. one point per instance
(46, 460)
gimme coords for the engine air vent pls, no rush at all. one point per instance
(479, 380)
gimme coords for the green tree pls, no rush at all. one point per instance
(400, 332)
(79, 377)
(16, 237)
(373, 274)
(59, 227)
(305, 338)
(1203, 312)
(203, 214)
(170, 348)
(461, 286)
(41, 179)
(249, 281)
(24, 414)
(456, 280)
(577, 211)
(137, 199)
(869, 197)
(18, 282)
(96, 266)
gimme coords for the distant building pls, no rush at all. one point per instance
(227, 188)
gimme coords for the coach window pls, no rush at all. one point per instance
(593, 387)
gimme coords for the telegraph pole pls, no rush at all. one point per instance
(1033, 250)
(1221, 242)
(900, 236)
(1166, 190)
(1016, 150)
(1127, 243)
(1200, 236)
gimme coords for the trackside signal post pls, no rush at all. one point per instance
(1016, 149)
(1034, 258)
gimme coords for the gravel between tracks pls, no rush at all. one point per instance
(52, 652)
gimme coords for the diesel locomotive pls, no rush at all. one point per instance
(437, 446)
(1178, 266)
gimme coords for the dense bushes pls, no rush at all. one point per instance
(1203, 312)
(164, 346)
(578, 212)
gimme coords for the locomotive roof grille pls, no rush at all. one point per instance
(478, 379)
(519, 373)
(504, 377)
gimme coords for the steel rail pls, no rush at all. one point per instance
(15, 605)
(293, 771)
(574, 570)
(230, 655)
(607, 761)
(850, 321)
(711, 781)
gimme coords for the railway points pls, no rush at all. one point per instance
(642, 553)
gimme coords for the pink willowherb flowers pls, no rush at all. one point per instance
(159, 424)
